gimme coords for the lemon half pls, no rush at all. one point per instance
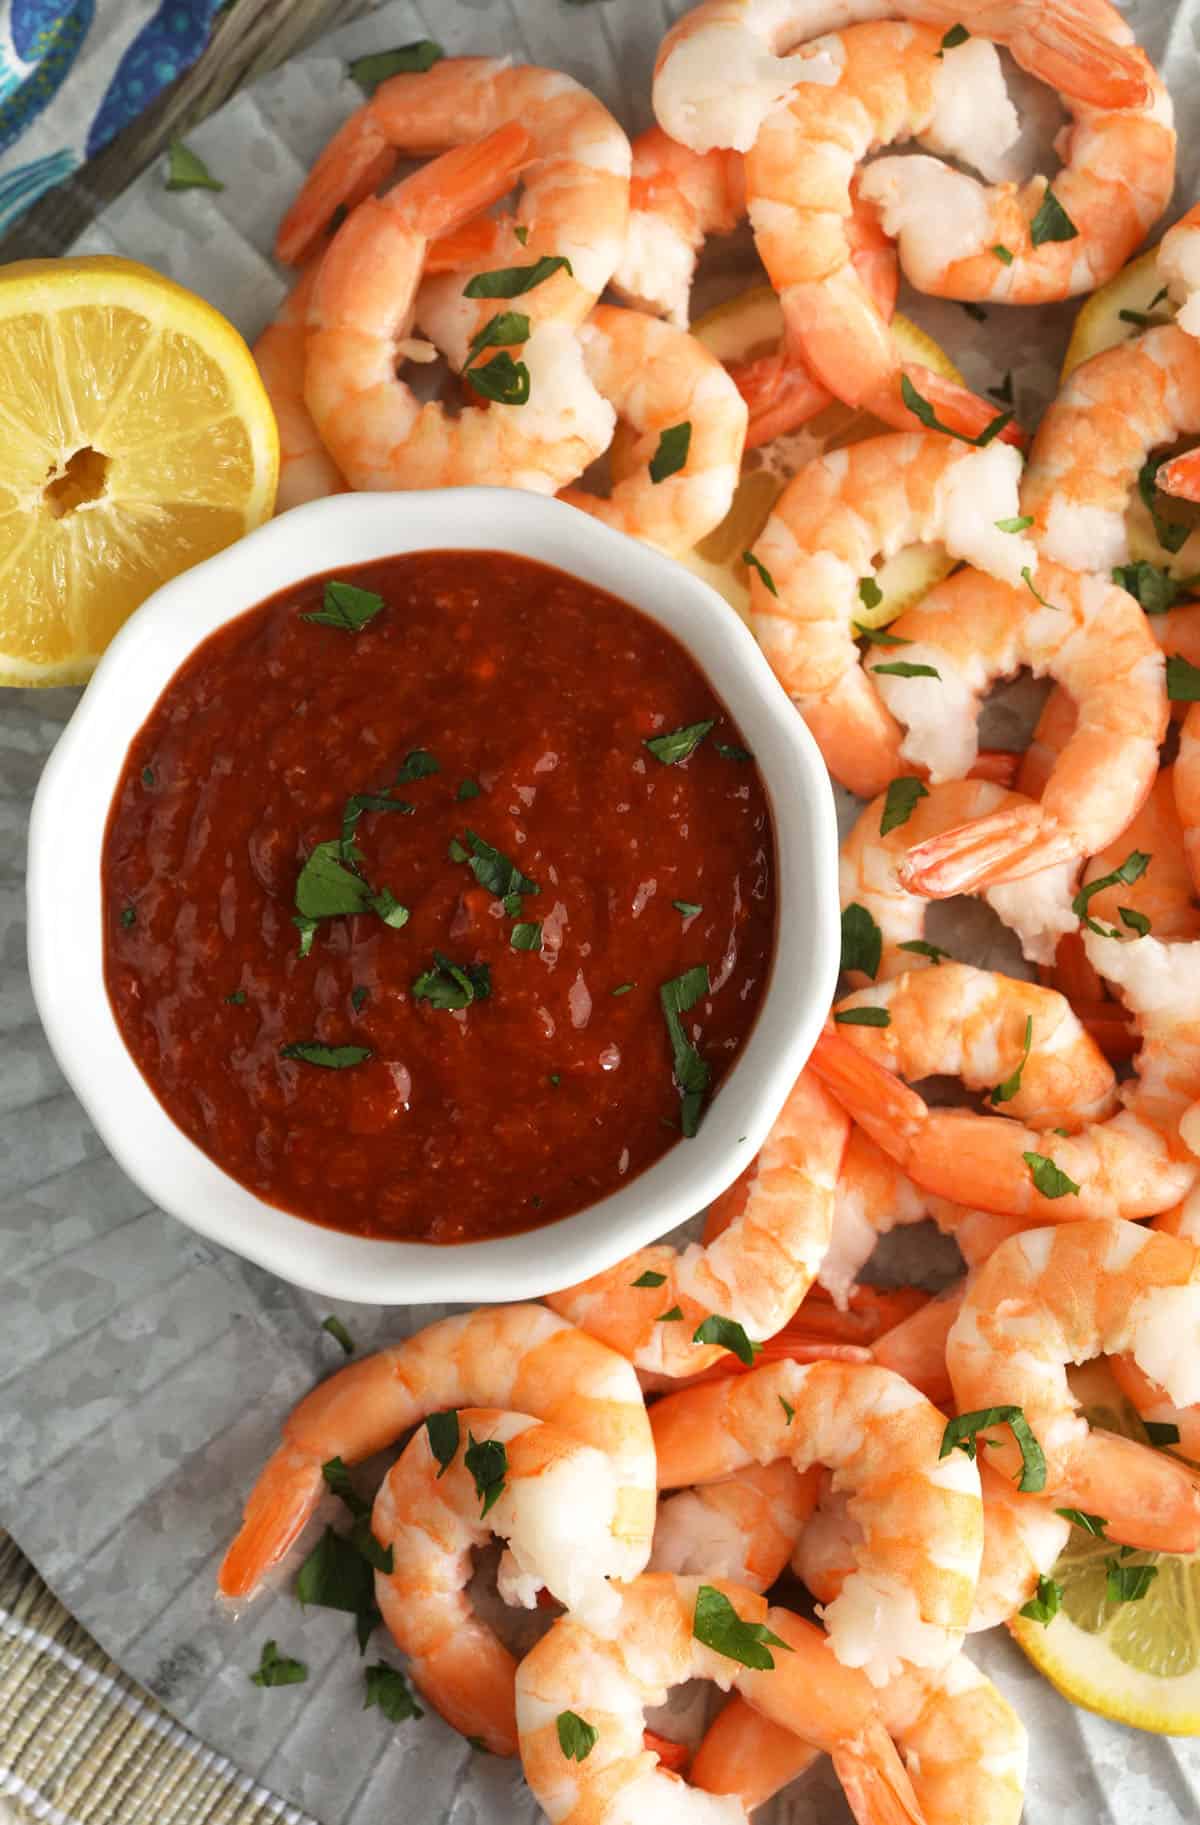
(749, 325)
(135, 439)
(1134, 1662)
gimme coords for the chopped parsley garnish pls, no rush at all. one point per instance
(877, 636)
(442, 1431)
(920, 948)
(1136, 921)
(501, 331)
(237, 999)
(501, 379)
(346, 606)
(1127, 1583)
(689, 908)
(717, 1624)
(903, 668)
(358, 997)
(678, 744)
(730, 1335)
(1020, 522)
(862, 1017)
(670, 1317)
(789, 1412)
(1044, 1606)
(337, 1576)
(337, 1481)
(862, 941)
(622, 988)
(1051, 223)
(487, 1460)
(128, 917)
(1183, 680)
(690, 1071)
(731, 750)
(576, 1737)
(1005, 1091)
(1027, 579)
(276, 1669)
(451, 986)
(1171, 534)
(470, 788)
(339, 1333)
(672, 453)
(921, 409)
(492, 869)
(148, 778)
(1143, 320)
(869, 592)
(975, 311)
(958, 34)
(960, 1435)
(555, 1079)
(368, 801)
(649, 1278)
(1093, 1524)
(901, 801)
(764, 575)
(1130, 870)
(512, 281)
(308, 931)
(407, 59)
(527, 936)
(186, 170)
(418, 764)
(1160, 1432)
(1154, 587)
(328, 1058)
(1004, 392)
(1004, 255)
(1048, 1179)
(388, 1688)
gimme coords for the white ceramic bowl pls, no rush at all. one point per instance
(65, 928)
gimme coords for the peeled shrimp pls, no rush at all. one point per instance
(1022, 1539)
(985, 1028)
(1178, 263)
(965, 1747)
(608, 1683)
(659, 379)
(1038, 910)
(837, 516)
(1094, 440)
(521, 1358)
(677, 198)
(756, 1272)
(1159, 982)
(743, 1528)
(558, 1511)
(1122, 1167)
(1053, 1297)
(360, 318)
(1082, 630)
(574, 199)
(1186, 785)
(307, 472)
(909, 1598)
(723, 67)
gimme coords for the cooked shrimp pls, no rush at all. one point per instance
(916, 1347)
(837, 517)
(965, 1747)
(518, 1357)
(1179, 264)
(574, 201)
(361, 315)
(307, 472)
(723, 67)
(1155, 1407)
(756, 1272)
(895, 82)
(1038, 910)
(1118, 170)
(743, 1528)
(910, 1594)
(1186, 784)
(1122, 1167)
(556, 1505)
(1082, 630)
(607, 1683)
(1063, 1295)
(1096, 437)
(677, 198)
(987, 1030)
(1022, 1538)
(1159, 983)
(659, 381)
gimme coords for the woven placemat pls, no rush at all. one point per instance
(82, 1744)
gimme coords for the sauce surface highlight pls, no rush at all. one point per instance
(473, 756)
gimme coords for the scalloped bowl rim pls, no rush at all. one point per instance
(67, 826)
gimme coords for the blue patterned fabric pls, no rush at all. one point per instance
(74, 72)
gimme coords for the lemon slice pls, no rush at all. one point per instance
(740, 329)
(1099, 324)
(1134, 1662)
(135, 439)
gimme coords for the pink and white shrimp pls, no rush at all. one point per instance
(307, 472)
(754, 1273)
(744, 1527)
(1052, 1297)
(836, 518)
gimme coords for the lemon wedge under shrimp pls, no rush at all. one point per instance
(135, 439)
(752, 324)
(1135, 1662)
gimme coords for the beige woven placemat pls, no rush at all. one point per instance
(82, 1744)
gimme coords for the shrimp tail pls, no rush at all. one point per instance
(1181, 476)
(1068, 54)
(1000, 847)
(877, 1789)
(893, 1115)
(280, 1503)
(351, 168)
(916, 1347)
(780, 393)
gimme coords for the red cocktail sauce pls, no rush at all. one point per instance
(533, 694)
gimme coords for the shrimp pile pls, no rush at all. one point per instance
(658, 1445)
